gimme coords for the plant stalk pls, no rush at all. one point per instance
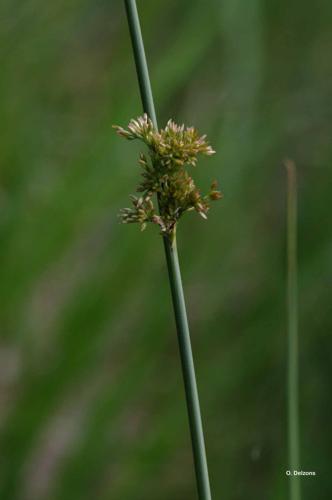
(293, 341)
(173, 267)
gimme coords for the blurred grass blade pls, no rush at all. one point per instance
(188, 370)
(293, 342)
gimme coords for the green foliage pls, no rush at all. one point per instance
(171, 150)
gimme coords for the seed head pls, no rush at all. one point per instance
(165, 173)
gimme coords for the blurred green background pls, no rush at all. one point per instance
(91, 396)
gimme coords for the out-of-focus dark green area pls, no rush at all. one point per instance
(91, 395)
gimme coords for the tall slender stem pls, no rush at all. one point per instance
(188, 370)
(293, 342)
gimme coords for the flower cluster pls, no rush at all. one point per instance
(170, 151)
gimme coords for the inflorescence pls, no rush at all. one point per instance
(170, 151)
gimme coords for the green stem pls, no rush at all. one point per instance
(293, 343)
(188, 370)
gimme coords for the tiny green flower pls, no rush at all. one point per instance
(170, 152)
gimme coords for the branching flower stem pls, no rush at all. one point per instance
(188, 370)
(172, 151)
